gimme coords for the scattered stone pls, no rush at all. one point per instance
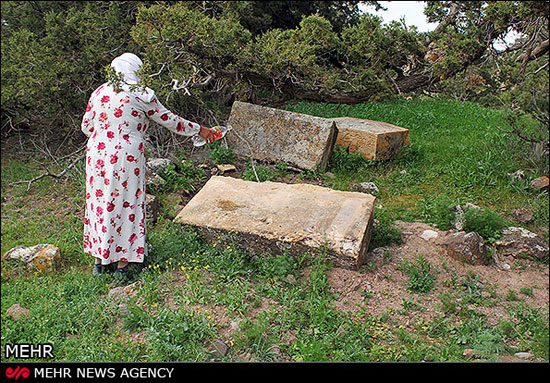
(156, 165)
(17, 312)
(272, 218)
(153, 179)
(465, 247)
(517, 176)
(540, 183)
(290, 278)
(469, 205)
(226, 168)
(278, 135)
(235, 324)
(517, 242)
(152, 207)
(505, 266)
(41, 257)
(368, 187)
(375, 140)
(458, 222)
(429, 234)
(523, 215)
(524, 355)
(219, 347)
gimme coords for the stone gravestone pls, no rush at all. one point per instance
(375, 140)
(270, 218)
(279, 135)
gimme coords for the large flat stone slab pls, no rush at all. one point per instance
(375, 140)
(270, 218)
(279, 135)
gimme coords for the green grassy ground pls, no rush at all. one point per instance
(277, 309)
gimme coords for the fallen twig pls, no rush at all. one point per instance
(49, 173)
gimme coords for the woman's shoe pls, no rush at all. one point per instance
(122, 272)
(98, 269)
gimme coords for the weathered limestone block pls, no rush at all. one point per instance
(269, 218)
(279, 135)
(373, 139)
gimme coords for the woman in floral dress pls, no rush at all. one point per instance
(115, 120)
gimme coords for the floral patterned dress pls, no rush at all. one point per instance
(114, 122)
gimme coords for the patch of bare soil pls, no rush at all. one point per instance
(381, 287)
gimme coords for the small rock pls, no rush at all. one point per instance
(517, 175)
(118, 293)
(524, 355)
(17, 311)
(505, 266)
(226, 168)
(523, 215)
(429, 234)
(368, 187)
(540, 183)
(403, 172)
(153, 179)
(42, 257)
(290, 278)
(219, 347)
(157, 164)
(517, 241)
(214, 171)
(469, 205)
(469, 353)
(467, 247)
(235, 325)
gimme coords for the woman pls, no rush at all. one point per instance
(115, 120)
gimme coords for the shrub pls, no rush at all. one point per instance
(486, 222)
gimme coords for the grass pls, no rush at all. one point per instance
(456, 152)
(282, 308)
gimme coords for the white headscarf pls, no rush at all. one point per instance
(127, 64)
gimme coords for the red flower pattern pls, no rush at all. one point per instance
(116, 130)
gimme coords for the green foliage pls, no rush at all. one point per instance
(53, 55)
(276, 267)
(342, 161)
(485, 222)
(421, 277)
(220, 154)
(384, 233)
(185, 178)
(438, 211)
(264, 172)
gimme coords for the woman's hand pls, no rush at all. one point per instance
(206, 134)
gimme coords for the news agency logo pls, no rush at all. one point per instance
(28, 351)
(17, 372)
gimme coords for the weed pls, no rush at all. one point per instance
(421, 279)
(264, 173)
(219, 154)
(384, 233)
(438, 211)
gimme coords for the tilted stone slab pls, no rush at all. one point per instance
(375, 140)
(278, 135)
(269, 218)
